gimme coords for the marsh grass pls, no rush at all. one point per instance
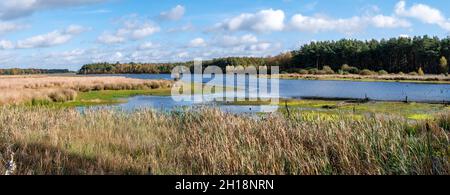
(41, 90)
(208, 141)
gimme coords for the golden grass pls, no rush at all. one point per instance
(389, 77)
(22, 89)
(207, 141)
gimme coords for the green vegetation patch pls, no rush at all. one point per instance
(413, 111)
(106, 97)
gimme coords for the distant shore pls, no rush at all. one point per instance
(436, 79)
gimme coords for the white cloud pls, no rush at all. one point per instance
(321, 24)
(259, 47)
(175, 13)
(45, 40)
(75, 29)
(382, 21)
(131, 29)
(185, 28)
(351, 25)
(423, 13)
(147, 45)
(4, 44)
(11, 9)
(198, 42)
(233, 41)
(107, 38)
(182, 54)
(6, 27)
(262, 21)
(143, 31)
(53, 38)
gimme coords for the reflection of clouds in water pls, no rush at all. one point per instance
(167, 104)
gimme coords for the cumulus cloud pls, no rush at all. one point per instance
(175, 13)
(262, 21)
(75, 29)
(274, 20)
(197, 42)
(11, 9)
(233, 41)
(147, 45)
(382, 21)
(351, 25)
(423, 13)
(131, 29)
(6, 27)
(107, 38)
(320, 24)
(53, 38)
(259, 47)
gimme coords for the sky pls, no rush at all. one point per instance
(65, 34)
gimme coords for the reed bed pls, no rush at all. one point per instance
(388, 77)
(43, 140)
(22, 89)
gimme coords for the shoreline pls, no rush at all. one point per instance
(427, 79)
(392, 78)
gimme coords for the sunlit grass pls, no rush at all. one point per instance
(205, 141)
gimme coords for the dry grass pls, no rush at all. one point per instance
(22, 89)
(389, 77)
(205, 141)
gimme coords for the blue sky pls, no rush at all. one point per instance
(70, 33)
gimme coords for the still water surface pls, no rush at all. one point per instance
(386, 91)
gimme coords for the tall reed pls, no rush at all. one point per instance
(208, 141)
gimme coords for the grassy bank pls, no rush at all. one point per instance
(436, 79)
(64, 141)
(108, 97)
(32, 90)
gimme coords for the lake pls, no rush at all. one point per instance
(381, 91)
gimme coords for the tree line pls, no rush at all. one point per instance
(128, 68)
(420, 55)
(394, 55)
(19, 71)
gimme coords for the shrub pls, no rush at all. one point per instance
(328, 70)
(443, 65)
(63, 95)
(413, 73)
(420, 72)
(302, 71)
(321, 72)
(349, 69)
(382, 72)
(313, 71)
(69, 94)
(366, 72)
(345, 67)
